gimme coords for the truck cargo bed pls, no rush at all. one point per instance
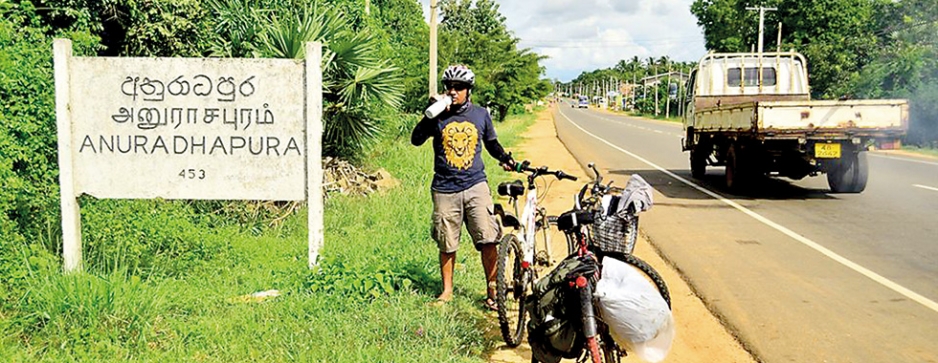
(866, 117)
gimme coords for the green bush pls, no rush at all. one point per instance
(29, 203)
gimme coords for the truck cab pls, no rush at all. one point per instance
(723, 79)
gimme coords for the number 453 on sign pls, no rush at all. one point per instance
(192, 173)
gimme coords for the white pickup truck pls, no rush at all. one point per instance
(752, 113)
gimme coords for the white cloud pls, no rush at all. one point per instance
(584, 35)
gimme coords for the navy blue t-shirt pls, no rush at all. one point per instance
(457, 147)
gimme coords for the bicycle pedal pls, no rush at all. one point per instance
(542, 259)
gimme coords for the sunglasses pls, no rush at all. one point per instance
(456, 86)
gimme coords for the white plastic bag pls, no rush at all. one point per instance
(638, 317)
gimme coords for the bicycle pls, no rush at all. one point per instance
(517, 250)
(576, 227)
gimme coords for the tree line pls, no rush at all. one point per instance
(854, 49)
(639, 96)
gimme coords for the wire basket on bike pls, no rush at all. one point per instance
(617, 228)
(616, 232)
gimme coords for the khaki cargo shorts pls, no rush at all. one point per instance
(473, 206)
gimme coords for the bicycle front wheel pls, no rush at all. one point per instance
(510, 290)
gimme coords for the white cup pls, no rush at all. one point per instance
(437, 107)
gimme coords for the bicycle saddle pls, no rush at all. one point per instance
(512, 189)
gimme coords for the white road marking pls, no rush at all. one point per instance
(639, 127)
(925, 187)
(804, 240)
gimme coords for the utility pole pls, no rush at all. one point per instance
(433, 82)
(667, 105)
(632, 90)
(778, 44)
(680, 91)
(762, 11)
(656, 88)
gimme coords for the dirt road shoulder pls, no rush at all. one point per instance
(700, 335)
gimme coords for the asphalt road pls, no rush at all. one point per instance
(798, 274)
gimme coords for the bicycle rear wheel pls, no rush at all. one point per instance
(511, 288)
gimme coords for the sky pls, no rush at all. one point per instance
(585, 35)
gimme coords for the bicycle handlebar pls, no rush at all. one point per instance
(525, 167)
(596, 188)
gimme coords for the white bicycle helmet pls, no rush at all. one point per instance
(459, 73)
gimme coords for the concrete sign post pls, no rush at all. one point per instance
(188, 128)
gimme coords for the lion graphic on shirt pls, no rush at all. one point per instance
(459, 144)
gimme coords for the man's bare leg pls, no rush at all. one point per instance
(447, 266)
(489, 259)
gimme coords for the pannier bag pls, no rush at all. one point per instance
(638, 317)
(554, 329)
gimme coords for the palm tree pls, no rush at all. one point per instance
(356, 81)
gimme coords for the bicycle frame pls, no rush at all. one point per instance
(528, 224)
(518, 250)
(530, 214)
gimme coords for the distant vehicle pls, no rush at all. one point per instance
(584, 102)
(752, 113)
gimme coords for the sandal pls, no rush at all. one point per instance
(490, 304)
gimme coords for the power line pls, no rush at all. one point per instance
(574, 45)
(695, 36)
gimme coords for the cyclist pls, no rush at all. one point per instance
(460, 189)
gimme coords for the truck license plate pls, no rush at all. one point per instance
(827, 151)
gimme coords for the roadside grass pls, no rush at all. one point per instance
(927, 151)
(661, 117)
(366, 302)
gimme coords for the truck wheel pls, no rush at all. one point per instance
(698, 163)
(849, 174)
(734, 176)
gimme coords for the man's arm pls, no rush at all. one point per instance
(426, 128)
(490, 140)
(497, 151)
(422, 131)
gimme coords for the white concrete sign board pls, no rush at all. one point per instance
(188, 128)
(179, 128)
